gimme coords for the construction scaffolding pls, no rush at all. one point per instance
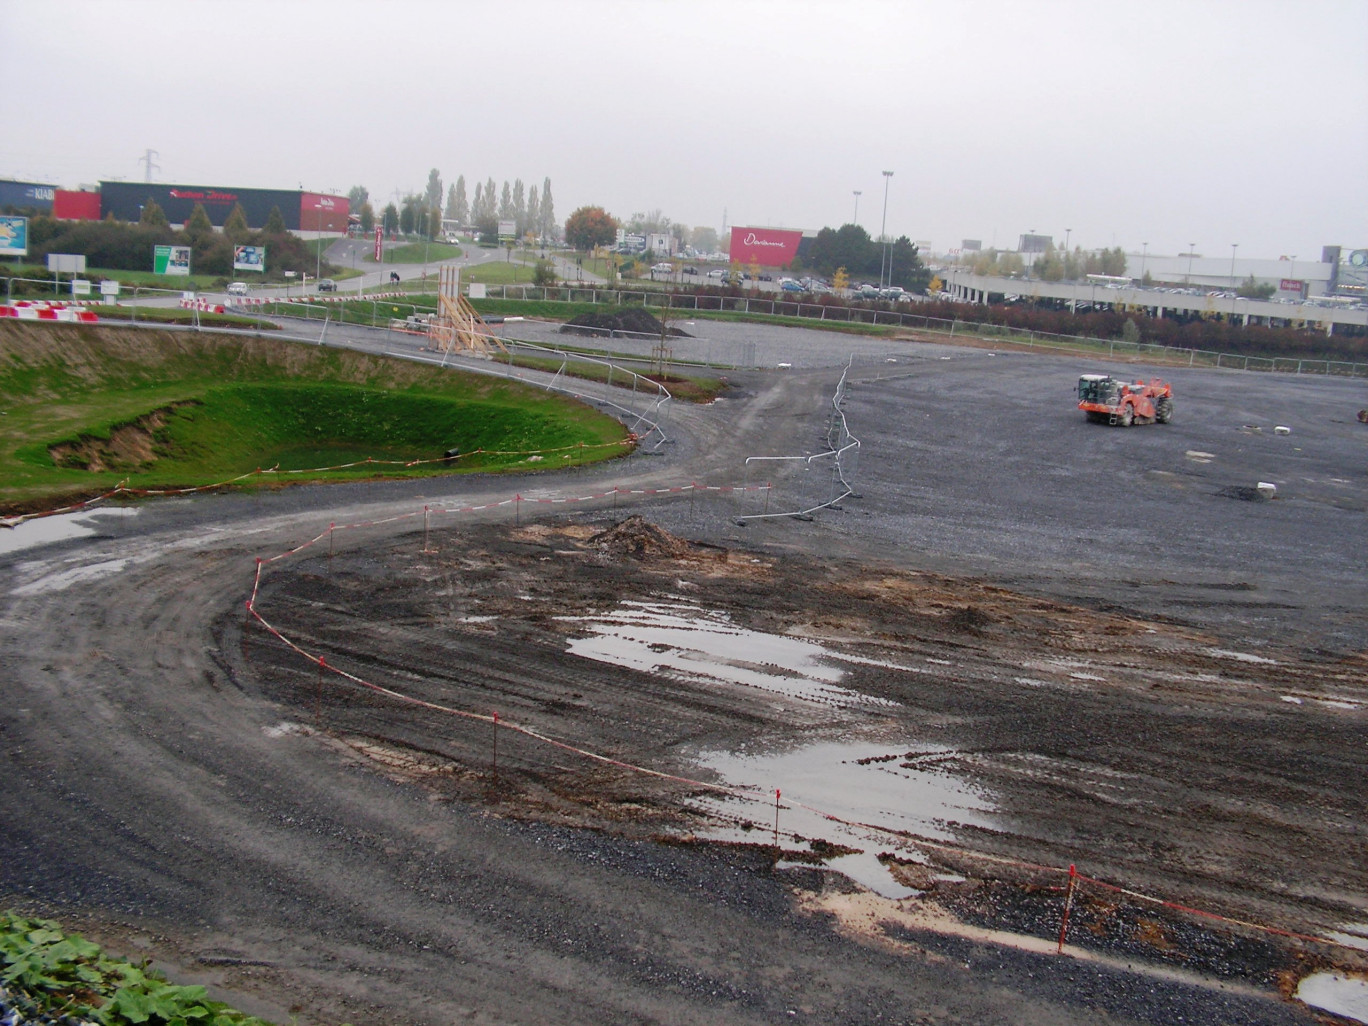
(457, 327)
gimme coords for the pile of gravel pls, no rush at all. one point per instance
(633, 320)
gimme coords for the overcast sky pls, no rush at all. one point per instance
(1141, 122)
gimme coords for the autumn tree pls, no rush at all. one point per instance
(588, 227)
(367, 215)
(533, 211)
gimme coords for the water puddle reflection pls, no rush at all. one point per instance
(1337, 994)
(705, 647)
(63, 527)
(865, 785)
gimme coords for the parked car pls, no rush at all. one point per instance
(716, 272)
(789, 285)
(327, 285)
(237, 288)
(662, 268)
(691, 270)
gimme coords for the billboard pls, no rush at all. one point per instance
(125, 200)
(1035, 243)
(1291, 285)
(13, 236)
(319, 212)
(26, 195)
(70, 205)
(171, 260)
(507, 229)
(249, 258)
(767, 247)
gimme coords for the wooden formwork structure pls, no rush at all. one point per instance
(457, 327)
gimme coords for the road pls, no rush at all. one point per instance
(175, 789)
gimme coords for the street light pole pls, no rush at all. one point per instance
(1191, 247)
(856, 219)
(1144, 255)
(883, 230)
(1233, 247)
(1067, 233)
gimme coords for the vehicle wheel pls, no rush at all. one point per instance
(1127, 416)
(1163, 410)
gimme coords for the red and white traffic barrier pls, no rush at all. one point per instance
(26, 310)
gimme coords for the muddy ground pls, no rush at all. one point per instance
(1155, 680)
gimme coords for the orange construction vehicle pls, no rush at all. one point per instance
(1107, 400)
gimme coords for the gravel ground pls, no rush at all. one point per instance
(171, 792)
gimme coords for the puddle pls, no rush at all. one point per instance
(1355, 935)
(64, 527)
(866, 785)
(76, 575)
(687, 641)
(1241, 657)
(1336, 994)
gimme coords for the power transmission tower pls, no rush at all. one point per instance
(147, 158)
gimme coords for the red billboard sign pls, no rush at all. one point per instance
(322, 213)
(767, 247)
(379, 243)
(1291, 285)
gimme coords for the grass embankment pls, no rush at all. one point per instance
(88, 407)
(53, 973)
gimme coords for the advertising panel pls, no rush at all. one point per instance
(171, 260)
(319, 212)
(379, 243)
(1291, 285)
(249, 258)
(13, 236)
(767, 247)
(70, 205)
(26, 195)
(507, 229)
(125, 200)
(1035, 243)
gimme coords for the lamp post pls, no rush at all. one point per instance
(1191, 247)
(1233, 247)
(857, 208)
(1067, 233)
(883, 234)
(1144, 255)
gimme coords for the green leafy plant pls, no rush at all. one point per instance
(47, 971)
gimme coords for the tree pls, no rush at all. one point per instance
(491, 200)
(544, 273)
(1252, 289)
(367, 215)
(506, 210)
(588, 227)
(533, 212)
(840, 280)
(235, 228)
(275, 223)
(390, 219)
(432, 196)
(357, 197)
(198, 228)
(519, 207)
(457, 207)
(152, 215)
(704, 239)
(547, 228)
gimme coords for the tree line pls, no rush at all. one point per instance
(123, 246)
(532, 211)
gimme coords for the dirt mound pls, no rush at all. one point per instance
(638, 538)
(131, 446)
(633, 320)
